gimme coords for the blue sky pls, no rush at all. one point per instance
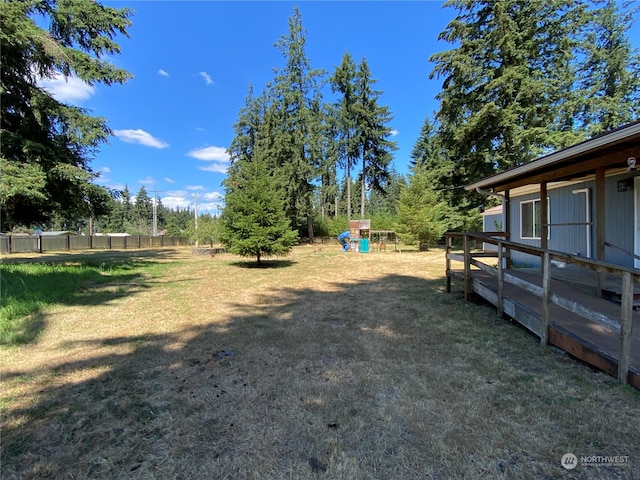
(193, 62)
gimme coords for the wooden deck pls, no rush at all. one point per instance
(581, 323)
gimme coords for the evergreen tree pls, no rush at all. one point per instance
(372, 135)
(344, 115)
(293, 94)
(246, 128)
(328, 168)
(610, 75)
(503, 84)
(386, 203)
(423, 217)
(47, 145)
(253, 222)
(142, 217)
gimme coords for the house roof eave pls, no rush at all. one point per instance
(557, 158)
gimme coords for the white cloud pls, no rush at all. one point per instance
(215, 168)
(207, 78)
(66, 89)
(105, 170)
(212, 196)
(164, 73)
(174, 201)
(193, 188)
(147, 181)
(208, 202)
(169, 180)
(216, 154)
(140, 137)
(394, 133)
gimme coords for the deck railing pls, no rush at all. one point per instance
(503, 248)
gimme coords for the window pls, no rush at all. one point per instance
(530, 227)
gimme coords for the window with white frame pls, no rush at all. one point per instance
(530, 226)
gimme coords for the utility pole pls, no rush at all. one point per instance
(195, 213)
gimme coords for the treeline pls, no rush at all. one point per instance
(301, 143)
(524, 78)
(314, 148)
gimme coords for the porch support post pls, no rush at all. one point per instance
(546, 283)
(467, 266)
(500, 280)
(626, 325)
(506, 209)
(544, 217)
(448, 243)
(600, 225)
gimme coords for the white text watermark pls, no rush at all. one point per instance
(570, 461)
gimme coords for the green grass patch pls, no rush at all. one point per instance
(28, 289)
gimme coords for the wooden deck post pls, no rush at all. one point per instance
(448, 240)
(546, 282)
(467, 265)
(500, 280)
(544, 217)
(600, 224)
(626, 325)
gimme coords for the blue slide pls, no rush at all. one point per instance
(344, 238)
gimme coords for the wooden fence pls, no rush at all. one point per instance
(46, 243)
(503, 247)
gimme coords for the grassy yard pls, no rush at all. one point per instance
(162, 364)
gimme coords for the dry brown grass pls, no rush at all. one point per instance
(320, 365)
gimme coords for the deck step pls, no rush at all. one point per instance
(616, 296)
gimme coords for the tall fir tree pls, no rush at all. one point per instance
(372, 135)
(609, 78)
(253, 222)
(292, 95)
(47, 145)
(142, 213)
(505, 86)
(344, 116)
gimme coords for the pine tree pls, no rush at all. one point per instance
(344, 115)
(293, 93)
(47, 145)
(253, 222)
(423, 216)
(141, 219)
(610, 75)
(372, 135)
(506, 91)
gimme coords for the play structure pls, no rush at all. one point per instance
(360, 235)
(359, 238)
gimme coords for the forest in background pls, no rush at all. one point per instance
(523, 78)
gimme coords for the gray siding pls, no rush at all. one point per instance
(567, 207)
(491, 223)
(620, 223)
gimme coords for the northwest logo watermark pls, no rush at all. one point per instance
(569, 461)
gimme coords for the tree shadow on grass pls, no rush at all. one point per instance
(264, 264)
(93, 278)
(358, 379)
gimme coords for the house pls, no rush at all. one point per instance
(583, 200)
(58, 233)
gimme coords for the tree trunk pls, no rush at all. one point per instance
(363, 193)
(348, 189)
